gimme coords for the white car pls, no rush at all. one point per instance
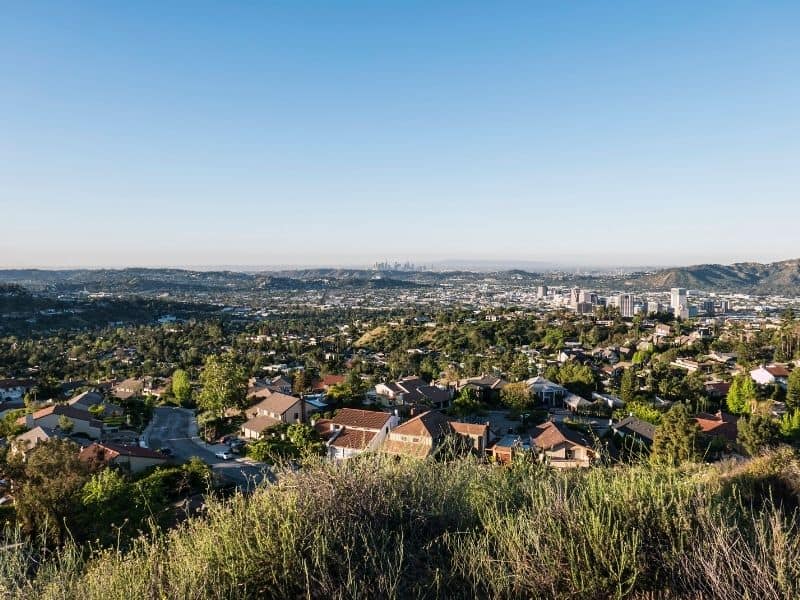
(224, 454)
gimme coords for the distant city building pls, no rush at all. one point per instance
(653, 307)
(724, 307)
(541, 292)
(575, 296)
(708, 307)
(626, 305)
(679, 303)
(587, 297)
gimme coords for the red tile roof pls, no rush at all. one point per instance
(721, 424)
(355, 439)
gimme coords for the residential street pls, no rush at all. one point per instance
(175, 428)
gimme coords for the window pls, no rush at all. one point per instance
(296, 415)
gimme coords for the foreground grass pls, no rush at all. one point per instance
(380, 528)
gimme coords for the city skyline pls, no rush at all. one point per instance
(341, 134)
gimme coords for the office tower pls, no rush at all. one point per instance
(541, 292)
(626, 305)
(575, 296)
(679, 303)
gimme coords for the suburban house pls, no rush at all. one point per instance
(575, 402)
(767, 375)
(82, 420)
(353, 431)
(14, 389)
(263, 387)
(721, 425)
(562, 447)
(28, 440)
(632, 428)
(130, 458)
(509, 447)
(663, 330)
(88, 400)
(422, 435)
(548, 393)
(479, 434)
(418, 437)
(129, 388)
(412, 390)
(608, 399)
(486, 387)
(717, 389)
(275, 409)
(327, 381)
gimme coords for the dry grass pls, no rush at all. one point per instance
(381, 528)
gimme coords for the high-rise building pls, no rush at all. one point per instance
(679, 303)
(541, 292)
(708, 307)
(626, 305)
(575, 296)
(653, 307)
(588, 297)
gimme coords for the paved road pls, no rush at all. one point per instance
(175, 428)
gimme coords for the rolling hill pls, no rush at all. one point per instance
(775, 278)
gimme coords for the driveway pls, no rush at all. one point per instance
(176, 429)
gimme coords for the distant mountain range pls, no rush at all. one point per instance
(755, 278)
(774, 278)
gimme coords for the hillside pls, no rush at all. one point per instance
(772, 278)
(379, 528)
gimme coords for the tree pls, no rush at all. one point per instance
(306, 440)
(8, 424)
(675, 440)
(299, 384)
(793, 390)
(741, 394)
(628, 386)
(790, 426)
(224, 384)
(466, 403)
(65, 424)
(181, 387)
(640, 410)
(516, 396)
(52, 479)
(757, 432)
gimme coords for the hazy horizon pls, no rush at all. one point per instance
(311, 133)
(438, 265)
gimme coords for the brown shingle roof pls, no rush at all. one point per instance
(406, 448)
(362, 419)
(277, 403)
(431, 424)
(469, 428)
(552, 434)
(259, 424)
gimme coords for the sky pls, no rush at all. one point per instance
(342, 133)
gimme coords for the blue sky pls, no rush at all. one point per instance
(192, 133)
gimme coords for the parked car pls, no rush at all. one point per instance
(165, 451)
(224, 454)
